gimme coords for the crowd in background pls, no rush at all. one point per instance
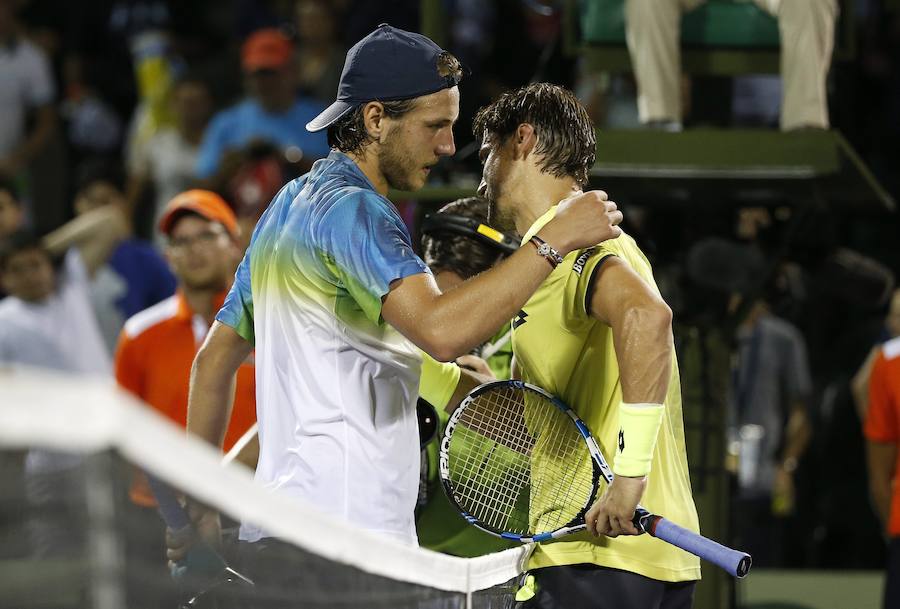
(111, 108)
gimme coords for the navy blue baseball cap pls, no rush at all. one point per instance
(388, 65)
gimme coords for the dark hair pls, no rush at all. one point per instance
(13, 190)
(566, 139)
(452, 252)
(348, 133)
(99, 169)
(20, 241)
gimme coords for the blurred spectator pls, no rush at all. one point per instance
(271, 112)
(157, 348)
(882, 431)
(807, 38)
(47, 321)
(27, 88)
(860, 382)
(770, 389)
(770, 393)
(47, 318)
(127, 275)
(320, 54)
(250, 178)
(165, 163)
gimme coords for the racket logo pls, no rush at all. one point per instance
(444, 459)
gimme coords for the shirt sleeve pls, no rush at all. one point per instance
(438, 381)
(881, 417)
(369, 247)
(237, 311)
(582, 278)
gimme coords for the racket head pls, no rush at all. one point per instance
(518, 463)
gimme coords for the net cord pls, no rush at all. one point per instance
(90, 415)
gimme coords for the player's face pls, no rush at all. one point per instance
(201, 253)
(494, 179)
(414, 143)
(29, 275)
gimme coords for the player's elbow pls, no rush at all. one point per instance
(441, 345)
(443, 349)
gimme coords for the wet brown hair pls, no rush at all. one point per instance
(566, 140)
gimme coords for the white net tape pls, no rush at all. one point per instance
(87, 415)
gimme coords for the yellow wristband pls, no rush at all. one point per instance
(638, 430)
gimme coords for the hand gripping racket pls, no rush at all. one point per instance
(518, 463)
(203, 566)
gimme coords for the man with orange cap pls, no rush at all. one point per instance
(157, 346)
(272, 111)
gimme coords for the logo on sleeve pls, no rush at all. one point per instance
(578, 265)
(621, 441)
(520, 319)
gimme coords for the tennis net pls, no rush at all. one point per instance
(70, 535)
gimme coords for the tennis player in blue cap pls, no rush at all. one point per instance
(345, 318)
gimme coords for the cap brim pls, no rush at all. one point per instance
(329, 115)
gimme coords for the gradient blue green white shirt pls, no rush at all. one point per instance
(336, 385)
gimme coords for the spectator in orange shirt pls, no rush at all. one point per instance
(882, 430)
(157, 346)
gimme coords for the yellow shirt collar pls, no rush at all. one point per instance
(539, 224)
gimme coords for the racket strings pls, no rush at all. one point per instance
(518, 464)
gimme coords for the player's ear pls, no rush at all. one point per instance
(525, 139)
(373, 118)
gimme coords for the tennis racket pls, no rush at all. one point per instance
(203, 566)
(520, 464)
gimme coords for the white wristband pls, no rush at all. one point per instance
(638, 430)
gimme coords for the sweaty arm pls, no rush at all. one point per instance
(209, 410)
(450, 324)
(212, 382)
(641, 324)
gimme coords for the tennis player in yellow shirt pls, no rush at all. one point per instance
(598, 335)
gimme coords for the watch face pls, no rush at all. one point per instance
(544, 249)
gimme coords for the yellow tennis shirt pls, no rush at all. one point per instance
(560, 347)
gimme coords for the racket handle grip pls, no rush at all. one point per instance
(169, 507)
(734, 562)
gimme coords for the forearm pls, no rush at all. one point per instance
(881, 457)
(94, 233)
(468, 380)
(449, 327)
(881, 499)
(797, 434)
(213, 381)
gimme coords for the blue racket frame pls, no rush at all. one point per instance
(735, 562)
